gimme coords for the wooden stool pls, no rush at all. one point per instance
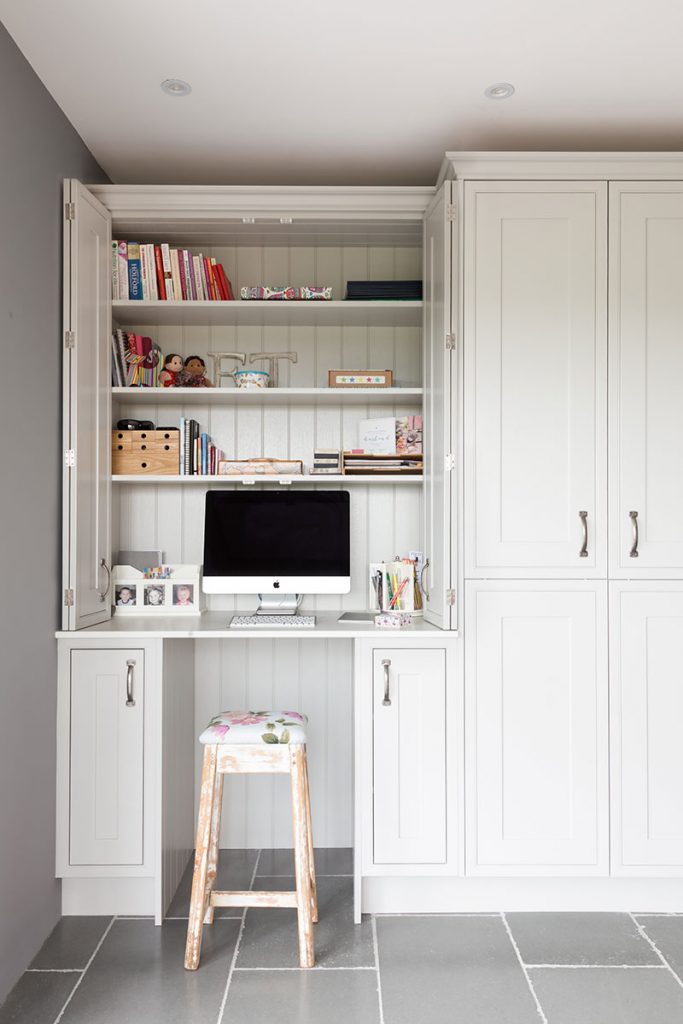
(252, 741)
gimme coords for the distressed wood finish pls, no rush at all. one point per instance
(253, 899)
(311, 855)
(214, 842)
(195, 924)
(220, 760)
(301, 855)
(251, 759)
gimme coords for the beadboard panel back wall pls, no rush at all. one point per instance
(314, 676)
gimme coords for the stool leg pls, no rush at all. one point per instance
(214, 842)
(309, 832)
(301, 857)
(195, 923)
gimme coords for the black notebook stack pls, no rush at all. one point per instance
(394, 290)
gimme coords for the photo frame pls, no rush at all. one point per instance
(178, 592)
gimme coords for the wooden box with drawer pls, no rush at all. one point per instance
(153, 452)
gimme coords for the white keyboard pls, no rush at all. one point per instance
(272, 621)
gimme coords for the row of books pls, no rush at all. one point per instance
(141, 270)
(135, 361)
(199, 456)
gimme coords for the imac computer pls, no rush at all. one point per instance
(279, 545)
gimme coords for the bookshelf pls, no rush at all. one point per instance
(371, 479)
(268, 396)
(335, 313)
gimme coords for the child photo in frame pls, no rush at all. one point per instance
(183, 595)
(154, 595)
(126, 597)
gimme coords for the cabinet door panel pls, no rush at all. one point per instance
(646, 372)
(536, 697)
(535, 365)
(647, 710)
(439, 531)
(87, 409)
(409, 757)
(106, 758)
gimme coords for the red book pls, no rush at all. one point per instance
(219, 282)
(226, 288)
(161, 284)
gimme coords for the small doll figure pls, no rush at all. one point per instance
(194, 374)
(173, 365)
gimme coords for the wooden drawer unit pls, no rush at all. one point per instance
(155, 452)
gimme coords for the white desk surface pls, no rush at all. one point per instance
(215, 625)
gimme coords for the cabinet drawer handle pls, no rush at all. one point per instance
(633, 553)
(130, 702)
(103, 593)
(422, 579)
(583, 553)
(387, 699)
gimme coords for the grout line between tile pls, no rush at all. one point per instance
(595, 967)
(305, 970)
(665, 962)
(539, 1008)
(84, 971)
(54, 970)
(375, 949)
(223, 917)
(417, 913)
(237, 947)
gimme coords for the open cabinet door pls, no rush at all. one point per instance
(439, 472)
(87, 405)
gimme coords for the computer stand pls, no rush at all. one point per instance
(278, 604)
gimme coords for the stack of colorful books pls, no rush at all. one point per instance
(199, 456)
(136, 361)
(158, 273)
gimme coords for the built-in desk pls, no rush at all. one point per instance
(127, 748)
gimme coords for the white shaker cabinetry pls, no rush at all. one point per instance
(536, 729)
(409, 756)
(646, 707)
(105, 694)
(646, 380)
(535, 379)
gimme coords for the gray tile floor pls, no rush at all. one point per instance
(414, 969)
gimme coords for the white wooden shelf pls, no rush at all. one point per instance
(306, 478)
(268, 396)
(379, 313)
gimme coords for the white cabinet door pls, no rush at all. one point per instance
(535, 379)
(646, 379)
(536, 728)
(87, 409)
(646, 708)
(439, 529)
(409, 756)
(106, 757)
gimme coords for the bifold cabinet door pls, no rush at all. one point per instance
(409, 756)
(106, 757)
(438, 488)
(646, 707)
(536, 729)
(87, 409)
(646, 379)
(535, 281)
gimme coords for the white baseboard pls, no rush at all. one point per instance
(89, 897)
(383, 895)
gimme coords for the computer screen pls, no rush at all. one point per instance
(277, 541)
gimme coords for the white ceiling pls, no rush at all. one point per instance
(353, 92)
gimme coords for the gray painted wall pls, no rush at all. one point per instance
(38, 147)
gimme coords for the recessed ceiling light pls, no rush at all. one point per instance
(499, 91)
(176, 87)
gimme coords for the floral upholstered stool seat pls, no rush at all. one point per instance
(245, 742)
(256, 727)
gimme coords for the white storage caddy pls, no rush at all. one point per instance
(178, 594)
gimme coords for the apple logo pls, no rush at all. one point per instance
(276, 584)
